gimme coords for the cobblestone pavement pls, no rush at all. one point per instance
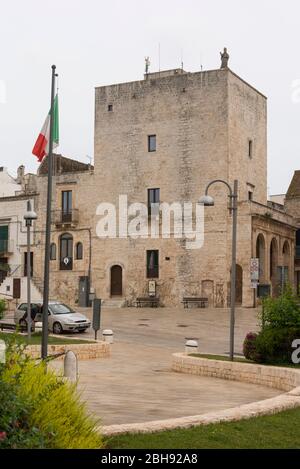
(136, 384)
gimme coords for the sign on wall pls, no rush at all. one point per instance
(254, 271)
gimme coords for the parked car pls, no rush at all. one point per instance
(61, 318)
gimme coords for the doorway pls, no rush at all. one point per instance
(239, 285)
(116, 280)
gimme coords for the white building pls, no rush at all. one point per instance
(14, 194)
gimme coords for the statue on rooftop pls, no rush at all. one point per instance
(147, 64)
(224, 58)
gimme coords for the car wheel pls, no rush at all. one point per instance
(57, 328)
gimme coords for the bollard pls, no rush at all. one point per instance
(108, 336)
(71, 366)
(191, 346)
(2, 351)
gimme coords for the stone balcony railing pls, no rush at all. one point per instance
(61, 218)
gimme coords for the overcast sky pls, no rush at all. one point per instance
(98, 42)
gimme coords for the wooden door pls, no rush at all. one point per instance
(116, 280)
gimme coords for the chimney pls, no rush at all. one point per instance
(20, 174)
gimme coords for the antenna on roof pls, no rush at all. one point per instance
(201, 64)
(159, 56)
(181, 59)
(147, 65)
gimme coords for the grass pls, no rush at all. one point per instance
(279, 431)
(37, 337)
(222, 358)
(242, 360)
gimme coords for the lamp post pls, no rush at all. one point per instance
(208, 201)
(29, 216)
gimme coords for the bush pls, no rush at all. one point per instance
(249, 347)
(280, 325)
(53, 407)
(281, 312)
(274, 345)
(15, 429)
(2, 308)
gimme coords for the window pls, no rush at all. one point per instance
(152, 264)
(3, 238)
(66, 252)
(79, 251)
(66, 206)
(250, 148)
(52, 252)
(250, 195)
(110, 107)
(153, 200)
(151, 142)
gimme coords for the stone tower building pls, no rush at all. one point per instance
(176, 131)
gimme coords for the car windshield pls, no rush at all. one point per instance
(60, 309)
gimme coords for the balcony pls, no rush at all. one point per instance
(6, 246)
(63, 219)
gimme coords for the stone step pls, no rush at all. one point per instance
(113, 303)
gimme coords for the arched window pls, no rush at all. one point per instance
(66, 251)
(79, 251)
(52, 252)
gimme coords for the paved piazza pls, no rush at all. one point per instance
(136, 384)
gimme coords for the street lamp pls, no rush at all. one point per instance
(208, 201)
(29, 216)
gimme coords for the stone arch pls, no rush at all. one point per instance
(261, 255)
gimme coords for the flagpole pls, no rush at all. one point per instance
(44, 351)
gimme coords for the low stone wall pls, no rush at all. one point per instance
(83, 351)
(276, 377)
(285, 379)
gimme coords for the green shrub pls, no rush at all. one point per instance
(281, 312)
(274, 346)
(15, 428)
(54, 405)
(2, 308)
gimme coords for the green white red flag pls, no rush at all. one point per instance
(41, 147)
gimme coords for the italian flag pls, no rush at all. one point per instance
(41, 147)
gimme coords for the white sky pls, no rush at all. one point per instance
(98, 42)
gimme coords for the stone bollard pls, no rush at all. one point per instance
(108, 336)
(2, 351)
(71, 366)
(191, 346)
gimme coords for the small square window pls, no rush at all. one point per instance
(250, 195)
(250, 148)
(110, 107)
(151, 142)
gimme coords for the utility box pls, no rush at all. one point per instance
(96, 315)
(84, 290)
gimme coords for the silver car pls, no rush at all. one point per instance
(61, 318)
